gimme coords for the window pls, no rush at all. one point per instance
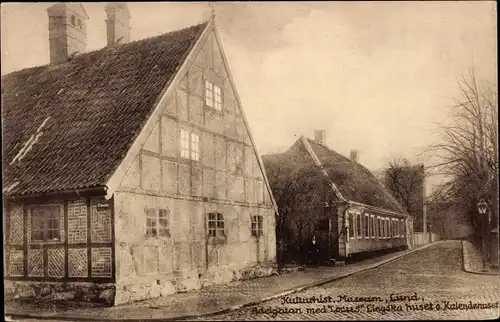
(45, 223)
(190, 145)
(73, 21)
(195, 146)
(257, 226)
(389, 228)
(380, 228)
(185, 150)
(385, 228)
(366, 227)
(213, 96)
(396, 227)
(80, 25)
(372, 226)
(358, 225)
(351, 226)
(157, 223)
(216, 225)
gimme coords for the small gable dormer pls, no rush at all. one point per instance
(67, 31)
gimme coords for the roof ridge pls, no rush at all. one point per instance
(106, 49)
(360, 166)
(318, 163)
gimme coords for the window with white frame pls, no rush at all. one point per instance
(396, 227)
(195, 147)
(358, 226)
(216, 225)
(389, 228)
(185, 149)
(351, 226)
(366, 226)
(190, 145)
(257, 226)
(157, 223)
(372, 226)
(380, 228)
(386, 230)
(213, 96)
(45, 223)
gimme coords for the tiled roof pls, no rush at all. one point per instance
(94, 106)
(354, 181)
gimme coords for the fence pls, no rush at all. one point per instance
(424, 238)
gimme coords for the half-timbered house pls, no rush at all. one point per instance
(130, 172)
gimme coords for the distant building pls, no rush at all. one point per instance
(325, 195)
(449, 221)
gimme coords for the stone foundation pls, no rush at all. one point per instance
(187, 281)
(60, 291)
(154, 287)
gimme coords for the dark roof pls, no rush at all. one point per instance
(97, 103)
(354, 181)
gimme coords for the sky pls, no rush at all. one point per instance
(373, 75)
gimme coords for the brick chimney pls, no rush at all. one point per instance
(320, 136)
(117, 23)
(354, 156)
(67, 31)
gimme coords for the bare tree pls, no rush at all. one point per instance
(405, 181)
(468, 151)
(303, 198)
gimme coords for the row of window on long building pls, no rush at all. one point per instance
(372, 226)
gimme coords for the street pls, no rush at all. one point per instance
(435, 274)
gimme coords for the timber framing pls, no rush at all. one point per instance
(63, 244)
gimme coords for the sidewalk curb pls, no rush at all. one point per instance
(466, 266)
(45, 316)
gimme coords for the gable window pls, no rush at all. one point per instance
(195, 146)
(257, 226)
(80, 25)
(45, 223)
(190, 145)
(351, 226)
(216, 225)
(157, 223)
(213, 96)
(73, 21)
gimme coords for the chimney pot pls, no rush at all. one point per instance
(320, 136)
(354, 156)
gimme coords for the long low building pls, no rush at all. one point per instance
(340, 203)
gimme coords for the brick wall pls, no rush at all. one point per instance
(47, 258)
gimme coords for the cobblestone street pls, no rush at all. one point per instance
(435, 274)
